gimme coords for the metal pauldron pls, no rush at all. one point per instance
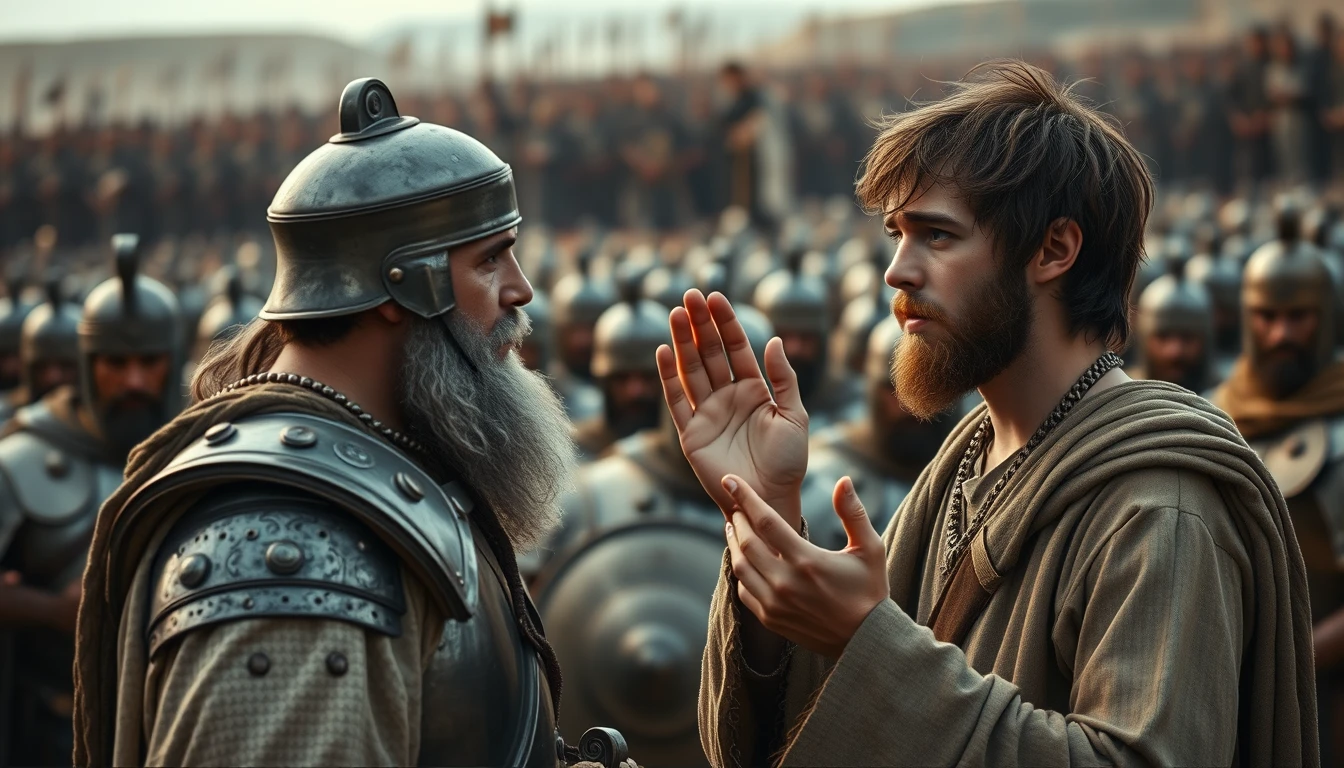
(264, 551)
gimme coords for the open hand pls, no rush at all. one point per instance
(813, 596)
(723, 411)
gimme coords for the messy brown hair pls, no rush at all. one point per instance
(1024, 151)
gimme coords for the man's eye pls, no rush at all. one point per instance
(894, 235)
(938, 235)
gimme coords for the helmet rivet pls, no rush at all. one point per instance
(396, 275)
(374, 102)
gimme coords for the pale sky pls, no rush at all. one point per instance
(354, 20)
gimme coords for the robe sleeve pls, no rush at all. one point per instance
(1151, 632)
(203, 706)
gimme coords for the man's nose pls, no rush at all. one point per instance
(904, 273)
(517, 291)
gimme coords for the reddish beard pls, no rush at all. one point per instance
(932, 372)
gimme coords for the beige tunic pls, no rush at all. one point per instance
(1151, 610)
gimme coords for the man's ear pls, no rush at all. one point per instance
(391, 312)
(1063, 241)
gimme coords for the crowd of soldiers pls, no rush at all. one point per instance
(93, 359)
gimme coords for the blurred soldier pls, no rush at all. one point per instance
(796, 306)
(667, 284)
(225, 316)
(298, 582)
(578, 300)
(62, 457)
(1286, 394)
(882, 451)
(1175, 339)
(639, 515)
(13, 310)
(537, 350)
(48, 350)
(624, 342)
(849, 346)
(1220, 277)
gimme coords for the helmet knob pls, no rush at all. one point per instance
(126, 252)
(367, 109)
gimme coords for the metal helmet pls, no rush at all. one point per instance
(225, 315)
(538, 345)
(792, 300)
(372, 215)
(50, 335)
(667, 285)
(130, 314)
(1173, 304)
(627, 335)
(627, 614)
(1286, 275)
(1221, 279)
(14, 310)
(580, 298)
(857, 321)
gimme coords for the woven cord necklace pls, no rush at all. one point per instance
(957, 540)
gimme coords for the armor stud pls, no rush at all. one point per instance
(354, 455)
(408, 487)
(298, 437)
(57, 465)
(337, 664)
(220, 433)
(193, 570)
(258, 664)
(396, 275)
(284, 557)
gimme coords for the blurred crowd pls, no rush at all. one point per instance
(634, 190)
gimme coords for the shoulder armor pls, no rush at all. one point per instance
(424, 524)
(261, 550)
(49, 484)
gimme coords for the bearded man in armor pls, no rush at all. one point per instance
(1286, 394)
(624, 341)
(62, 456)
(48, 351)
(315, 563)
(1176, 339)
(797, 305)
(882, 451)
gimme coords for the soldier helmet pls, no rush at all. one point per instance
(626, 613)
(372, 215)
(580, 298)
(1221, 279)
(792, 300)
(667, 285)
(14, 310)
(857, 321)
(226, 314)
(50, 335)
(629, 333)
(130, 314)
(538, 311)
(1290, 275)
(1172, 304)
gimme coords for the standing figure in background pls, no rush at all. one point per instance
(1175, 332)
(579, 299)
(1250, 110)
(1286, 88)
(62, 456)
(1286, 394)
(625, 339)
(653, 150)
(744, 125)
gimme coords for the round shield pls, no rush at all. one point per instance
(627, 613)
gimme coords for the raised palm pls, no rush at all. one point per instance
(723, 410)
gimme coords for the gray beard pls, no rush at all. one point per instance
(499, 425)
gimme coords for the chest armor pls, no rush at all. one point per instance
(52, 492)
(880, 493)
(306, 516)
(1308, 461)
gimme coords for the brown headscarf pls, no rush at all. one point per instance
(1257, 414)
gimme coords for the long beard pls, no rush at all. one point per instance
(931, 374)
(130, 420)
(498, 424)
(1285, 369)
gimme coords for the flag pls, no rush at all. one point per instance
(498, 23)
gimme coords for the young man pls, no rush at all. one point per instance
(286, 579)
(1093, 570)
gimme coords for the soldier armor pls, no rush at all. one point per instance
(13, 310)
(50, 335)
(1172, 304)
(797, 303)
(578, 300)
(627, 613)
(303, 516)
(1221, 279)
(54, 476)
(130, 315)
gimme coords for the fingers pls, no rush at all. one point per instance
(858, 526)
(673, 392)
(784, 381)
(741, 357)
(691, 370)
(749, 579)
(707, 340)
(765, 522)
